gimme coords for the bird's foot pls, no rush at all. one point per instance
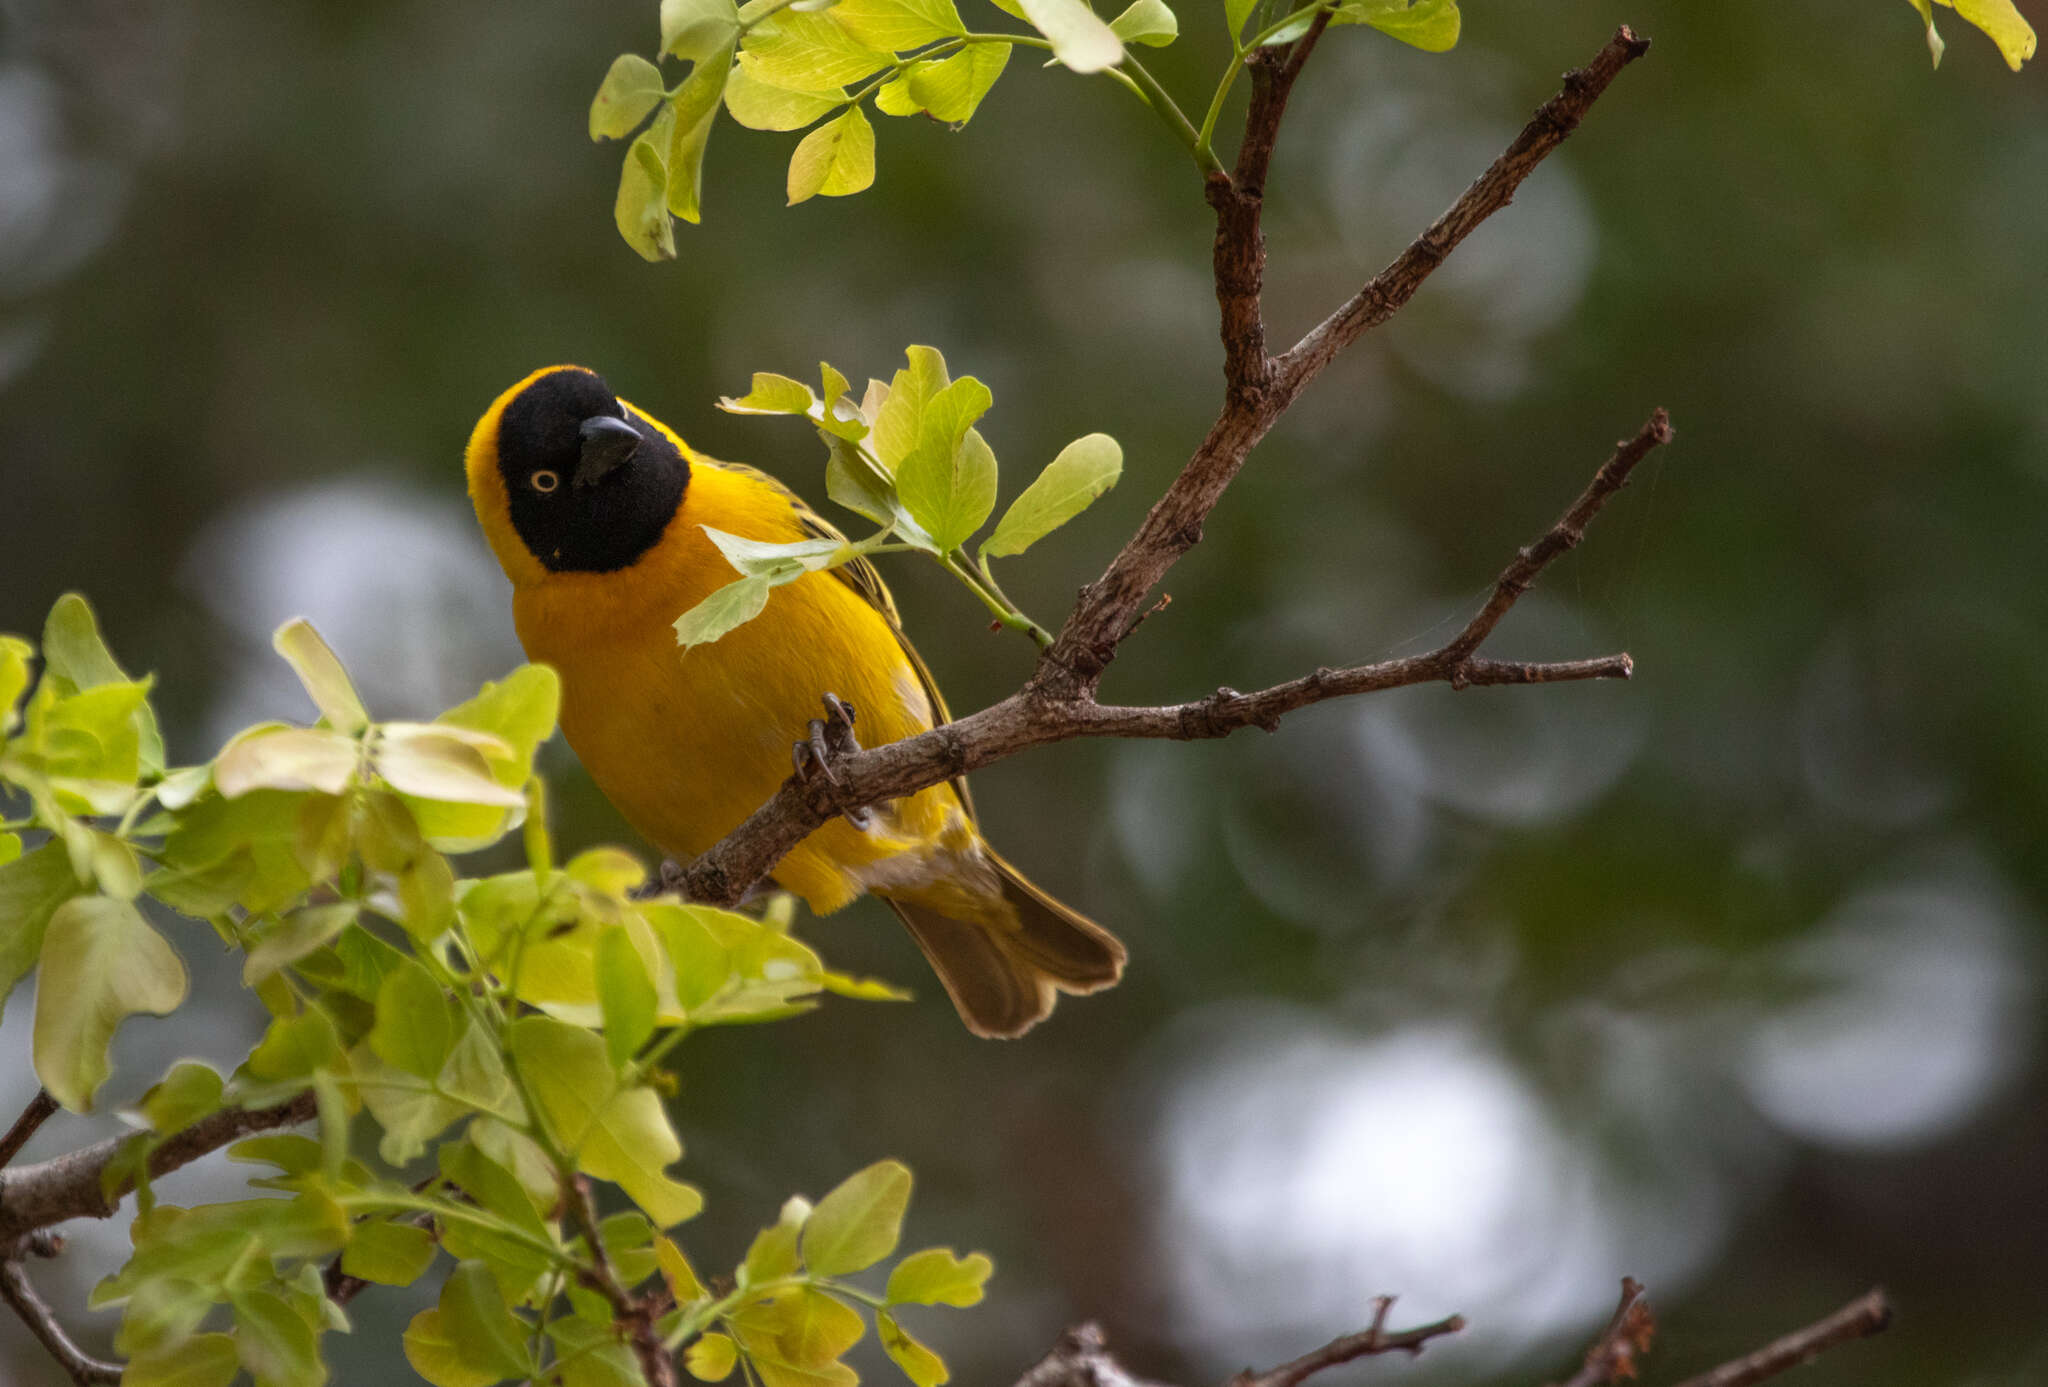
(825, 740)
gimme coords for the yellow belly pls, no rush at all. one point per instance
(688, 743)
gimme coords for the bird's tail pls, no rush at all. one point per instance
(1005, 967)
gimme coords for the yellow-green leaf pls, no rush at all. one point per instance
(435, 1355)
(390, 1254)
(711, 1358)
(1431, 25)
(641, 209)
(1084, 469)
(896, 25)
(835, 160)
(733, 605)
(951, 89)
(1148, 22)
(625, 993)
(858, 1223)
(32, 886)
(919, 1363)
(203, 1360)
(695, 29)
(630, 91)
(804, 1329)
(101, 963)
(809, 52)
(760, 106)
(936, 1277)
(480, 1324)
(321, 672)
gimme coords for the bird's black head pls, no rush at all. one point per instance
(591, 483)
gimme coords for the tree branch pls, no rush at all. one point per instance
(37, 1112)
(68, 1186)
(1374, 1339)
(1612, 1358)
(35, 1312)
(1108, 607)
(1024, 720)
(1392, 287)
(1868, 1314)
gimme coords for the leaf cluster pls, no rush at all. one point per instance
(908, 457)
(495, 1039)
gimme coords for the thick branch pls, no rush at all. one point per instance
(1108, 607)
(1862, 1317)
(35, 1312)
(68, 1186)
(1028, 719)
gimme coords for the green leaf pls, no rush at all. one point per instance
(948, 482)
(863, 989)
(189, 1092)
(275, 1342)
(203, 1360)
(321, 673)
(101, 963)
(851, 482)
(415, 1027)
(480, 1324)
(1999, 19)
(804, 1329)
(858, 1223)
(390, 1254)
(10, 850)
(899, 415)
(950, 90)
(1084, 469)
(436, 1355)
(1148, 22)
(626, 993)
(677, 1271)
(919, 1363)
(641, 209)
(778, 562)
(809, 53)
(835, 160)
(294, 1049)
(760, 106)
(696, 29)
(78, 659)
(896, 25)
(591, 1355)
(711, 1358)
(695, 107)
(514, 1261)
(300, 933)
(733, 605)
(518, 712)
(936, 1277)
(771, 394)
(773, 1253)
(1080, 40)
(272, 756)
(631, 89)
(1235, 13)
(1431, 25)
(615, 1134)
(15, 655)
(31, 888)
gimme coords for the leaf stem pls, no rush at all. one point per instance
(1169, 110)
(1207, 133)
(960, 566)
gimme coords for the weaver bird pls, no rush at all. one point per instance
(596, 510)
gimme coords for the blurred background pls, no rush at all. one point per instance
(1728, 978)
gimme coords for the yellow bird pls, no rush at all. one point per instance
(596, 511)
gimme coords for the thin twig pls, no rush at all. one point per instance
(1627, 1336)
(1374, 1339)
(635, 1314)
(20, 1295)
(1868, 1314)
(37, 1112)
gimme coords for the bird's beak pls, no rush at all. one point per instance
(607, 442)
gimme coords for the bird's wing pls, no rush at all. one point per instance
(862, 577)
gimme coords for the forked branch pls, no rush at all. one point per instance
(1058, 703)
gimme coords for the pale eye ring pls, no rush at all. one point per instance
(544, 481)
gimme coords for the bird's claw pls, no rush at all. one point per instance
(826, 739)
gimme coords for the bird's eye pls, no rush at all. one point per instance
(544, 481)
